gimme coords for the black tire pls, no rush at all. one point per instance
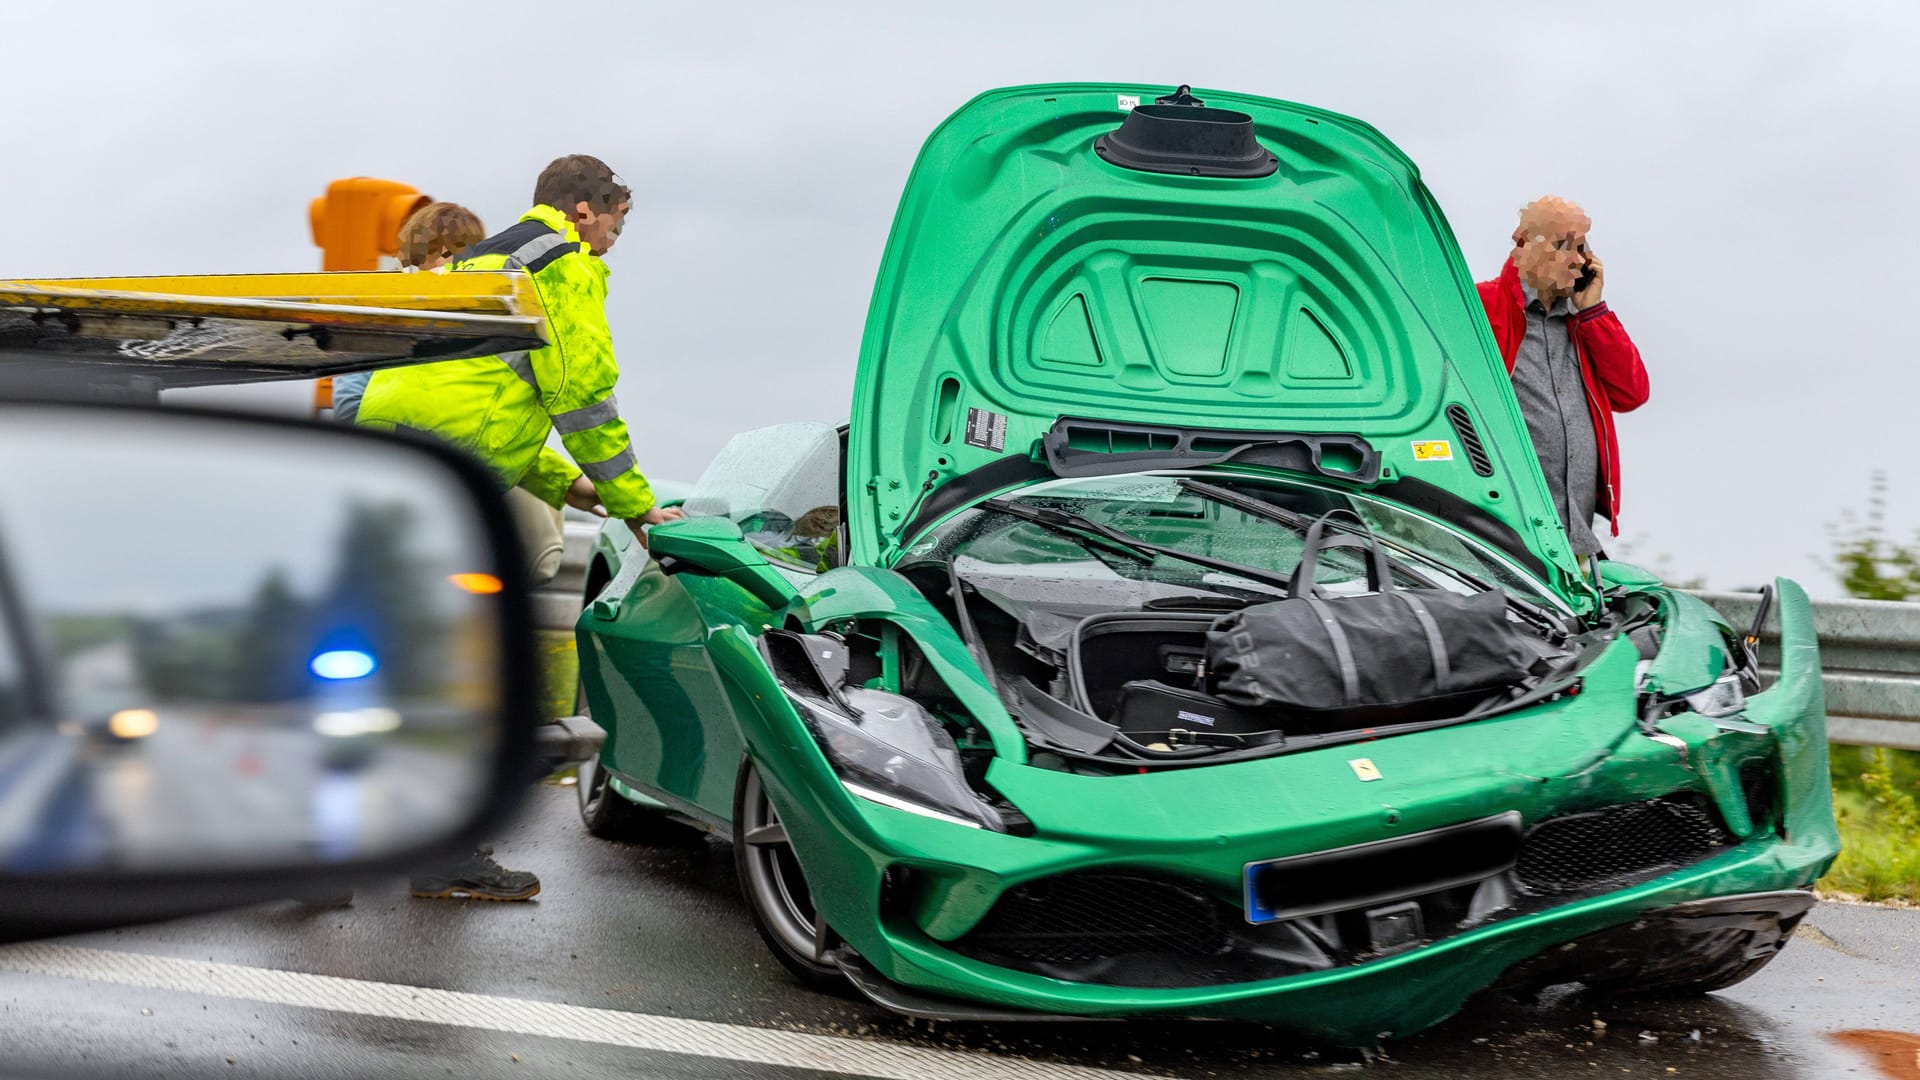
(610, 815)
(1713, 962)
(775, 888)
(1680, 952)
(1710, 973)
(606, 813)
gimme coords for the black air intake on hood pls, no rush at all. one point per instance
(1469, 439)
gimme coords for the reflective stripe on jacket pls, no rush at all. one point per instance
(502, 407)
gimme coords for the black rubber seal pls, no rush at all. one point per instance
(1187, 140)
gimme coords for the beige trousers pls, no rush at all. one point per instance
(541, 532)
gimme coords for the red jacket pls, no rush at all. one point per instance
(1609, 364)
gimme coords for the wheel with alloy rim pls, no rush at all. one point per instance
(606, 813)
(776, 889)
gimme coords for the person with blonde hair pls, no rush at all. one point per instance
(429, 239)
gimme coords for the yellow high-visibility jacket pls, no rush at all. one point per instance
(502, 407)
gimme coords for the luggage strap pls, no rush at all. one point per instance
(1436, 645)
(1343, 652)
(1317, 539)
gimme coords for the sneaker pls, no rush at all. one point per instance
(476, 877)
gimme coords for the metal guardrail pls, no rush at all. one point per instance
(1869, 649)
(1869, 661)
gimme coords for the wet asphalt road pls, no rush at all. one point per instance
(644, 937)
(198, 789)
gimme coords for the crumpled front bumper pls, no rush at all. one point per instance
(1402, 994)
(1698, 945)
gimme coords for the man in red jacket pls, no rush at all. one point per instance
(1571, 362)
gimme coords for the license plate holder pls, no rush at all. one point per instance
(1381, 872)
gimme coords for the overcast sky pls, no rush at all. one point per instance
(1751, 176)
(148, 541)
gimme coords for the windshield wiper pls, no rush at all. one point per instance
(1539, 616)
(1075, 525)
(1257, 507)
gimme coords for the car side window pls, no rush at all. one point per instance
(781, 485)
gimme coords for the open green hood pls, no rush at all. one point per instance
(1296, 302)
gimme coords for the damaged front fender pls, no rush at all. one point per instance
(1794, 708)
(1784, 725)
(859, 593)
(1693, 646)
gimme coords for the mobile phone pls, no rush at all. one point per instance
(1585, 279)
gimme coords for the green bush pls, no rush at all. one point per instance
(1876, 792)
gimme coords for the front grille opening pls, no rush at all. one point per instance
(1131, 927)
(1469, 439)
(1760, 783)
(1618, 845)
(1370, 874)
(1085, 917)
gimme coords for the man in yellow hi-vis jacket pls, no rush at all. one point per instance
(502, 407)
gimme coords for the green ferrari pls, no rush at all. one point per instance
(942, 674)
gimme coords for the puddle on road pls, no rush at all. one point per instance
(1895, 1054)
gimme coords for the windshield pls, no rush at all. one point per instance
(1257, 523)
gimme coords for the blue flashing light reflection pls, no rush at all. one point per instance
(343, 664)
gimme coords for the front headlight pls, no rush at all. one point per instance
(1724, 697)
(887, 749)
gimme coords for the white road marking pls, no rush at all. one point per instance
(641, 1031)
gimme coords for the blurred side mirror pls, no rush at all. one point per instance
(239, 656)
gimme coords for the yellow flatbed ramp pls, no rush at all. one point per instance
(167, 332)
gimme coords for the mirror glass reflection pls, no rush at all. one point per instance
(229, 644)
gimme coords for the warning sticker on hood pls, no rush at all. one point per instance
(1433, 450)
(987, 430)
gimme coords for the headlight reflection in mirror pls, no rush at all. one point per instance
(231, 645)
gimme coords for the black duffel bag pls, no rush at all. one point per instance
(1388, 656)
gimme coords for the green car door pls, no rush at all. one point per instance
(644, 642)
